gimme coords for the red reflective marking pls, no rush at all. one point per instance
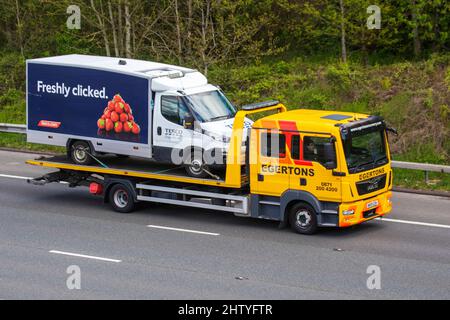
(288, 125)
(49, 124)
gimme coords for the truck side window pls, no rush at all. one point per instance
(295, 147)
(313, 148)
(273, 145)
(173, 109)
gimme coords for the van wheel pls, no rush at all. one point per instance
(121, 199)
(303, 218)
(196, 165)
(80, 153)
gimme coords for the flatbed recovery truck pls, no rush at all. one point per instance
(306, 168)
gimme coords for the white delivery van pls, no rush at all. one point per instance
(100, 105)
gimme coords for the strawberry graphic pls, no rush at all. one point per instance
(117, 98)
(136, 129)
(114, 116)
(123, 117)
(111, 106)
(120, 107)
(118, 127)
(109, 125)
(118, 116)
(101, 123)
(107, 114)
(127, 126)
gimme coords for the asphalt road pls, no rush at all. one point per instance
(214, 255)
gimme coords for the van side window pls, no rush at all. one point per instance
(173, 109)
(273, 145)
(295, 147)
(313, 148)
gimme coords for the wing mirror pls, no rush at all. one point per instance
(188, 122)
(329, 152)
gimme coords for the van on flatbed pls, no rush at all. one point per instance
(305, 168)
(102, 105)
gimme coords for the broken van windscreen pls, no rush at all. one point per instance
(211, 106)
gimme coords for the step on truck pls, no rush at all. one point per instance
(306, 168)
(101, 105)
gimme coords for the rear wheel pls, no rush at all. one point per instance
(121, 199)
(303, 218)
(80, 153)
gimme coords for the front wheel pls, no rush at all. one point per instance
(194, 168)
(121, 199)
(303, 219)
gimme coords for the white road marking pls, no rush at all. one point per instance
(84, 256)
(14, 177)
(415, 223)
(184, 230)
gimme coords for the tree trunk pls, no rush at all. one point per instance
(102, 27)
(19, 29)
(127, 30)
(189, 28)
(178, 27)
(416, 38)
(114, 31)
(343, 41)
(120, 31)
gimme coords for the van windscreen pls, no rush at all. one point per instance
(211, 106)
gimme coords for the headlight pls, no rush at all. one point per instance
(348, 212)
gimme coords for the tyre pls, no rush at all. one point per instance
(303, 218)
(121, 198)
(195, 166)
(80, 153)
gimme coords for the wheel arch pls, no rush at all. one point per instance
(71, 141)
(110, 182)
(292, 197)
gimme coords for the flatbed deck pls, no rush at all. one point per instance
(131, 167)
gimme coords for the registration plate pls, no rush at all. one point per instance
(372, 204)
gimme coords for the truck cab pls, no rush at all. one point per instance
(320, 168)
(192, 119)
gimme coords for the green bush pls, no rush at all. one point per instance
(12, 72)
(340, 76)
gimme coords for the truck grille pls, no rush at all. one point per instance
(371, 185)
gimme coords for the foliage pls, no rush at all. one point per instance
(261, 49)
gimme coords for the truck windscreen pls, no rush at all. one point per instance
(211, 106)
(365, 150)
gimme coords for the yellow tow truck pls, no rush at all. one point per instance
(306, 168)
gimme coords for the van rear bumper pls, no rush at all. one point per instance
(365, 210)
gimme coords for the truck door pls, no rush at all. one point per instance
(168, 128)
(310, 174)
(272, 174)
